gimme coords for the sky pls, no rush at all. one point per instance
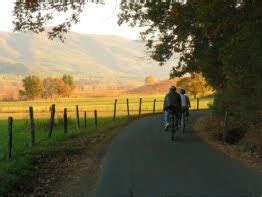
(95, 19)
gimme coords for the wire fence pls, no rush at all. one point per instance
(38, 123)
(104, 108)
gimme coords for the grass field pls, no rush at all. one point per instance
(15, 171)
(20, 169)
(19, 111)
(104, 106)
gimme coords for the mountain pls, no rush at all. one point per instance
(101, 58)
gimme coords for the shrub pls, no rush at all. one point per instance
(234, 135)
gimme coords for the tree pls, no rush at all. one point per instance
(33, 87)
(189, 29)
(62, 89)
(69, 81)
(55, 87)
(196, 85)
(34, 15)
(21, 94)
(218, 38)
(49, 89)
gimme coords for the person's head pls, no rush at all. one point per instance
(172, 88)
(182, 91)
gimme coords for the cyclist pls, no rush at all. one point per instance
(172, 104)
(185, 102)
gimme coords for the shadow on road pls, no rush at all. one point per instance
(144, 157)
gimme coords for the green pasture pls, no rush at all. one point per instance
(22, 137)
(18, 170)
(103, 105)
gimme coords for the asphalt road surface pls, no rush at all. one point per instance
(143, 162)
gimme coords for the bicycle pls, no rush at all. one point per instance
(183, 121)
(172, 124)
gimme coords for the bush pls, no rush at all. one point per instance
(252, 142)
(215, 127)
(234, 135)
(217, 135)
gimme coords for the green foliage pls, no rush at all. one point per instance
(32, 15)
(69, 81)
(195, 85)
(219, 38)
(33, 86)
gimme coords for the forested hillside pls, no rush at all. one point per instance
(98, 58)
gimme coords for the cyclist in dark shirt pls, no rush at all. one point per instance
(172, 104)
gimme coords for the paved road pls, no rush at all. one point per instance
(142, 160)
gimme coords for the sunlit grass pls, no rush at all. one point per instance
(104, 106)
(15, 171)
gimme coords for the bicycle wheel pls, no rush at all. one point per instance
(173, 129)
(183, 122)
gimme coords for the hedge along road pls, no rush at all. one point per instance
(142, 161)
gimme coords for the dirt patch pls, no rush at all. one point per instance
(251, 159)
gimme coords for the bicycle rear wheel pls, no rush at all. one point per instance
(183, 122)
(173, 129)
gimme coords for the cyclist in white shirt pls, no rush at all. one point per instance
(185, 102)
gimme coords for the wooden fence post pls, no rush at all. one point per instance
(140, 106)
(85, 119)
(65, 121)
(127, 106)
(32, 125)
(52, 121)
(154, 106)
(77, 118)
(95, 113)
(197, 104)
(114, 117)
(10, 137)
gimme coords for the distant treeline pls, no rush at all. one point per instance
(36, 87)
(196, 85)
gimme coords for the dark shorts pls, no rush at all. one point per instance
(174, 112)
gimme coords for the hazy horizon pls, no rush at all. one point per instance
(93, 55)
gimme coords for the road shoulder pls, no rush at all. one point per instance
(251, 160)
(60, 172)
